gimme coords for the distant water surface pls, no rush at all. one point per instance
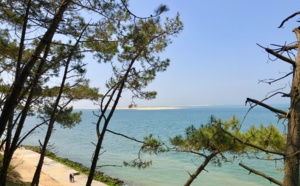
(168, 169)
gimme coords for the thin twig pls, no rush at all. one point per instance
(123, 135)
(283, 58)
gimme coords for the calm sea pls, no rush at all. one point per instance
(168, 169)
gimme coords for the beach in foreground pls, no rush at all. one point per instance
(53, 173)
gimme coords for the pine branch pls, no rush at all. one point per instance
(193, 152)
(200, 168)
(131, 138)
(260, 174)
(158, 12)
(108, 166)
(286, 19)
(252, 145)
(266, 106)
(283, 58)
(270, 81)
(289, 47)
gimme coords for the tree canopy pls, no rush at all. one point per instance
(219, 142)
(43, 66)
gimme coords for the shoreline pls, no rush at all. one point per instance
(53, 173)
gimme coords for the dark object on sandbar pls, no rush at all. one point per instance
(71, 176)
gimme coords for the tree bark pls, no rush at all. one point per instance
(116, 90)
(94, 162)
(14, 144)
(119, 90)
(261, 174)
(35, 180)
(291, 163)
(201, 168)
(18, 85)
(5, 165)
(7, 153)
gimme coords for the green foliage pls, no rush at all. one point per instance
(216, 140)
(152, 145)
(139, 53)
(227, 137)
(218, 137)
(8, 15)
(74, 93)
(138, 163)
(66, 117)
(209, 137)
(45, 69)
(8, 48)
(269, 138)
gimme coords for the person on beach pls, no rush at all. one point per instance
(71, 177)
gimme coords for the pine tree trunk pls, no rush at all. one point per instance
(291, 163)
(11, 102)
(94, 162)
(6, 158)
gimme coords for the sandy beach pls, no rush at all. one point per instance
(53, 173)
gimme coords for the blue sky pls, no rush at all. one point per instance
(215, 60)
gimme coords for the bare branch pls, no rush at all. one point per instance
(108, 166)
(277, 92)
(283, 58)
(266, 106)
(162, 9)
(30, 132)
(295, 154)
(193, 152)
(274, 80)
(268, 159)
(131, 138)
(260, 174)
(280, 116)
(91, 9)
(286, 19)
(286, 48)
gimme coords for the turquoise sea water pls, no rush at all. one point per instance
(168, 169)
